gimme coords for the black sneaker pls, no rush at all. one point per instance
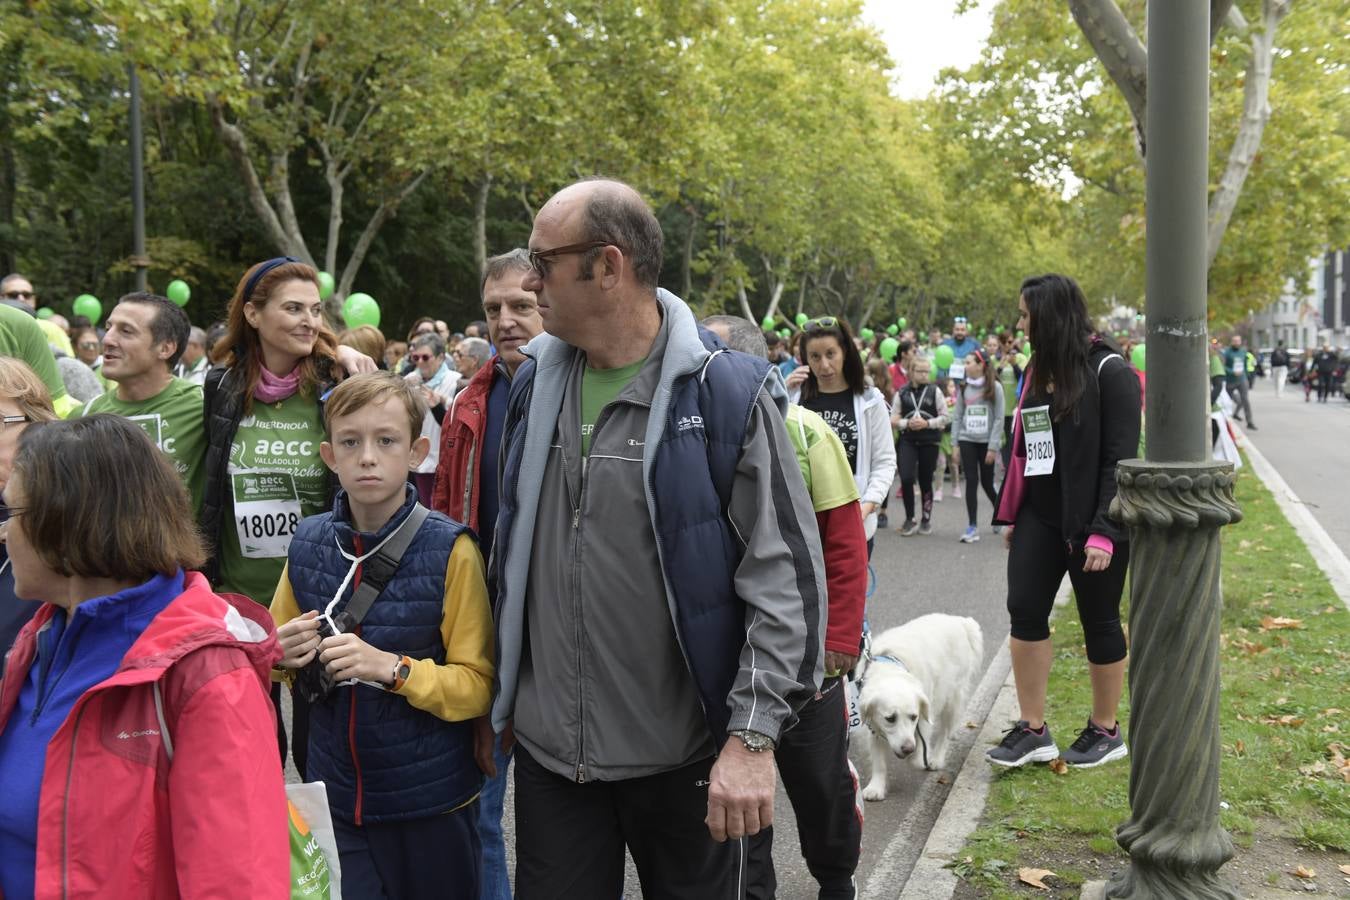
(926, 526)
(1021, 745)
(883, 521)
(1096, 745)
(909, 529)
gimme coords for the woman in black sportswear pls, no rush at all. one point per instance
(1077, 418)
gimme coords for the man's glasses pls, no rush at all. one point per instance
(824, 323)
(421, 357)
(539, 258)
(20, 295)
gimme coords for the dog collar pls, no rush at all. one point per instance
(890, 659)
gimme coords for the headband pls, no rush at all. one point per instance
(263, 270)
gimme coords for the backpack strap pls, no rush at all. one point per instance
(379, 569)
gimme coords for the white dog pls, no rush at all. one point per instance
(914, 691)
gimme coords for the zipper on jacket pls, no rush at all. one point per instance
(45, 662)
(65, 805)
(356, 761)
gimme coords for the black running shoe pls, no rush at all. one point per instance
(1096, 745)
(1021, 745)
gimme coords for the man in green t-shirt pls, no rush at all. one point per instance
(21, 338)
(146, 336)
(813, 757)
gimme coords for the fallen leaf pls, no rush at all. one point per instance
(1296, 565)
(1240, 747)
(1328, 712)
(1059, 767)
(1273, 623)
(1303, 872)
(943, 779)
(1313, 769)
(1244, 545)
(1345, 870)
(972, 725)
(1035, 877)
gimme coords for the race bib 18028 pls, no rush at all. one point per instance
(1040, 440)
(266, 512)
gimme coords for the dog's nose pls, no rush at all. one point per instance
(906, 750)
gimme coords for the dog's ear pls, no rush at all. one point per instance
(923, 709)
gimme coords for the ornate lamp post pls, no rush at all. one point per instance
(1175, 501)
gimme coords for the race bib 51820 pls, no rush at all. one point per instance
(1040, 440)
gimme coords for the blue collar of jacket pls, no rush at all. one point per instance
(346, 533)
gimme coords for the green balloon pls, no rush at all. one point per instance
(1019, 333)
(178, 291)
(867, 334)
(785, 333)
(361, 309)
(46, 312)
(768, 323)
(1137, 357)
(1026, 348)
(999, 330)
(326, 285)
(892, 329)
(802, 319)
(87, 305)
(888, 348)
(902, 322)
(943, 357)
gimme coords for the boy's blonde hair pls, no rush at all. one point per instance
(22, 385)
(374, 387)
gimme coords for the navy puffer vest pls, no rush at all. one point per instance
(381, 758)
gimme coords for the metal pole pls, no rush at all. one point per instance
(1175, 501)
(138, 258)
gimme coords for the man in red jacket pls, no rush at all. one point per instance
(813, 757)
(466, 489)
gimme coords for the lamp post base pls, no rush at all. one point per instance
(1174, 512)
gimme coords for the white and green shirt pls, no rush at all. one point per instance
(173, 419)
(276, 478)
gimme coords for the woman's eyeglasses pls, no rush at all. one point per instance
(421, 357)
(88, 345)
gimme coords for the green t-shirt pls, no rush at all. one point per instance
(22, 338)
(276, 479)
(599, 387)
(173, 419)
(822, 458)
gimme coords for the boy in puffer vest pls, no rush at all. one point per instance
(392, 739)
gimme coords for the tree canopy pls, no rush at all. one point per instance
(396, 147)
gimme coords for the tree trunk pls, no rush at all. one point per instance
(383, 213)
(1114, 41)
(687, 256)
(480, 199)
(1255, 114)
(744, 301)
(335, 191)
(236, 144)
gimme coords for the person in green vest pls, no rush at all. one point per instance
(146, 336)
(1216, 372)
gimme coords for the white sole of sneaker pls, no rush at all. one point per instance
(1040, 754)
(1119, 753)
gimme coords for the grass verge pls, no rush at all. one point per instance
(1284, 664)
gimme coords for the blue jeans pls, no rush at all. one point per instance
(496, 885)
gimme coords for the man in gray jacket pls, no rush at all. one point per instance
(605, 656)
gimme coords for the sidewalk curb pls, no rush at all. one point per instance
(1329, 557)
(930, 879)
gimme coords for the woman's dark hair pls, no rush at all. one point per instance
(1060, 331)
(838, 329)
(412, 332)
(79, 518)
(241, 345)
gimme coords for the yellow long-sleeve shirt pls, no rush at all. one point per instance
(461, 687)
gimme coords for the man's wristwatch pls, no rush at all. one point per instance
(402, 669)
(753, 740)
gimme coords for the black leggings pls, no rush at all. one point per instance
(1325, 383)
(920, 459)
(1036, 565)
(978, 474)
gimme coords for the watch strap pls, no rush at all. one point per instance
(402, 669)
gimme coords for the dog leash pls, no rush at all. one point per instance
(923, 742)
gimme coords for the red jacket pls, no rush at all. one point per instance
(844, 543)
(115, 819)
(456, 487)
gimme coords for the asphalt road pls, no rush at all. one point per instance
(1309, 444)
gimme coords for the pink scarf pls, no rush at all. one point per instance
(274, 388)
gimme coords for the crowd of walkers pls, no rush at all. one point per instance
(591, 538)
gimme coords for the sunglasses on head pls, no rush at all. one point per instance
(823, 323)
(959, 320)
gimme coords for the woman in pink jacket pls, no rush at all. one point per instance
(135, 727)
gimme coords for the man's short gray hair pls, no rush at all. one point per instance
(742, 334)
(616, 214)
(517, 260)
(478, 348)
(432, 341)
(196, 336)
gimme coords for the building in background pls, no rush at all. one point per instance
(1310, 312)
